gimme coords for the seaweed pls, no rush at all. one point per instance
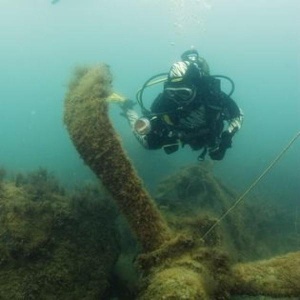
(55, 245)
(2, 177)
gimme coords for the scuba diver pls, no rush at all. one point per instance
(191, 110)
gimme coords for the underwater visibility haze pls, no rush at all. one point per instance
(255, 43)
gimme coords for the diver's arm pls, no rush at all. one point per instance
(149, 140)
(235, 124)
(151, 131)
(132, 116)
(233, 115)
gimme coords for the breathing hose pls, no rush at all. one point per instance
(151, 81)
(164, 77)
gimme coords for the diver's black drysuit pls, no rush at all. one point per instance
(197, 120)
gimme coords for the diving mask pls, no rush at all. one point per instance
(180, 95)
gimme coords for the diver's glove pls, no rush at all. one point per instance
(226, 140)
(125, 106)
(218, 153)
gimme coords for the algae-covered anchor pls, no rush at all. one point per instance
(176, 266)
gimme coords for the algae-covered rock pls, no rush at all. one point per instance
(54, 246)
(193, 199)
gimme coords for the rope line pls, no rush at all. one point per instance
(256, 181)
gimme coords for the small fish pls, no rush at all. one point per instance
(54, 1)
